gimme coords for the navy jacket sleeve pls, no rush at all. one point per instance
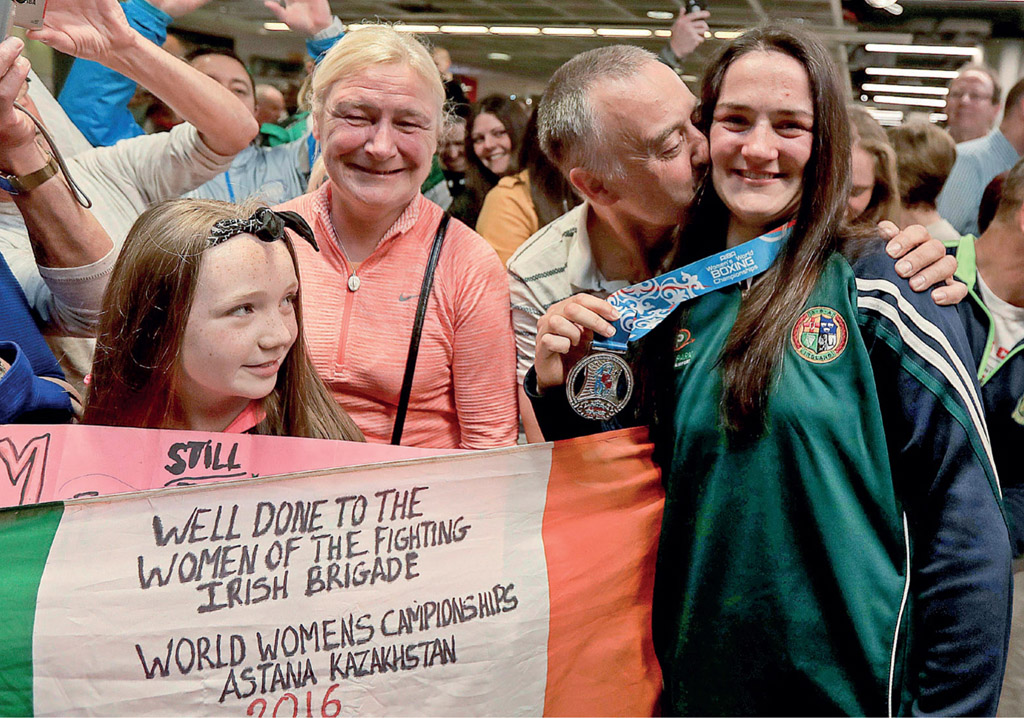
(25, 393)
(958, 612)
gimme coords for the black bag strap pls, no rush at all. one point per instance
(417, 330)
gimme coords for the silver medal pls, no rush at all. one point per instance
(599, 386)
(353, 283)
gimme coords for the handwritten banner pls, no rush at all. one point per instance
(509, 582)
(48, 463)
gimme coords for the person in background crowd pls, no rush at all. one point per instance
(822, 400)
(521, 204)
(96, 98)
(495, 133)
(972, 104)
(874, 194)
(452, 153)
(687, 34)
(978, 161)
(634, 155)
(377, 112)
(202, 328)
(32, 386)
(270, 107)
(993, 268)
(924, 156)
(455, 97)
(990, 201)
(124, 180)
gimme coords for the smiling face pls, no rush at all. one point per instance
(492, 143)
(762, 133)
(378, 128)
(241, 326)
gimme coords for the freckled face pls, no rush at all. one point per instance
(492, 143)
(761, 138)
(242, 323)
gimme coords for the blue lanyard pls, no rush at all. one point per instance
(227, 180)
(644, 306)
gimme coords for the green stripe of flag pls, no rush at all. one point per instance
(26, 534)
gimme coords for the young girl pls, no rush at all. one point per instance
(202, 328)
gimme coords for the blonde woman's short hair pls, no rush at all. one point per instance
(372, 45)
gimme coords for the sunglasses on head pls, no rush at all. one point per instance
(264, 224)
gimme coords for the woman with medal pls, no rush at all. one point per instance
(832, 541)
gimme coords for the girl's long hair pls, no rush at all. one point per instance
(136, 371)
(756, 345)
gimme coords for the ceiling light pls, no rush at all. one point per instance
(423, 29)
(515, 30)
(276, 26)
(501, 56)
(937, 117)
(567, 31)
(464, 29)
(911, 72)
(912, 101)
(727, 34)
(907, 89)
(663, 33)
(925, 49)
(660, 15)
(623, 32)
(886, 118)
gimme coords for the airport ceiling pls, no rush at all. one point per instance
(846, 24)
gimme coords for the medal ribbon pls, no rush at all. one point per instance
(644, 306)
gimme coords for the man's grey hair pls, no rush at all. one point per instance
(569, 130)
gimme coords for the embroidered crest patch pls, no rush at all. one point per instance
(1018, 413)
(820, 335)
(683, 355)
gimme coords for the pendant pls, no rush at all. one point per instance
(353, 283)
(599, 386)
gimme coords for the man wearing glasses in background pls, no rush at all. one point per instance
(973, 103)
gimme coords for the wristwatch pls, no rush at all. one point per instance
(19, 184)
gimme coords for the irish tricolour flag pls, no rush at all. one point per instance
(509, 582)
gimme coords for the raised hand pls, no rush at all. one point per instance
(16, 129)
(306, 17)
(688, 32)
(90, 29)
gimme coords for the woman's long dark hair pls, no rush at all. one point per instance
(756, 344)
(479, 179)
(552, 194)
